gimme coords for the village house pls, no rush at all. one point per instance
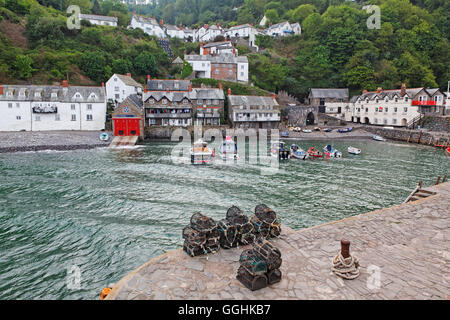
(208, 33)
(225, 66)
(44, 108)
(216, 48)
(99, 20)
(253, 111)
(128, 117)
(149, 25)
(283, 29)
(332, 101)
(396, 107)
(168, 103)
(119, 87)
(176, 103)
(175, 32)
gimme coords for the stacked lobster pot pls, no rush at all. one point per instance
(202, 236)
(265, 222)
(235, 229)
(260, 266)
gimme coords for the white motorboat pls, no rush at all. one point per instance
(307, 130)
(228, 149)
(278, 149)
(201, 153)
(331, 152)
(298, 153)
(378, 138)
(353, 150)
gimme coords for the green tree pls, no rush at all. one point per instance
(145, 64)
(23, 68)
(93, 65)
(96, 8)
(272, 16)
(122, 66)
(302, 12)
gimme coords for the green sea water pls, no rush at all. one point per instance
(106, 212)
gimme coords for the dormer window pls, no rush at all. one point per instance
(396, 99)
(22, 93)
(185, 101)
(115, 79)
(377, 100)
(152, 101)
(160, 86)
(37, 94)
(164, 101)
(406, 99)
(54, 95)
(386, 99)
(367, 100)
(176, 85)
(9, 94)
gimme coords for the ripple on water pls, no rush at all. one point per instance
(109, 211)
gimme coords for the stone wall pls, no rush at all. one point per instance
(427, 138)
(439, 124)
(297, 115)
(327, 120)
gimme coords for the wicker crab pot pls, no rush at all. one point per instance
(265, 222)
(202, 236)
(259, 266)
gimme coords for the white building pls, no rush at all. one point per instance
(215, 48)
(175, 32)
(332, 101)
(99, 20)
(46, 108)
(208, 33)
(253, 111)
(394, 107)
(149, 25)
(283, 29)
(119, 87)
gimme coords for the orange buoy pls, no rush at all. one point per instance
(104, 293)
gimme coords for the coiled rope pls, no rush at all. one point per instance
(346, 268)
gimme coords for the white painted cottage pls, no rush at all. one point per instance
(119, 87)
(46, 108)
(99, 20)
(149, 25)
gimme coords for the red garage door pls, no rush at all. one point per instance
(126, 127)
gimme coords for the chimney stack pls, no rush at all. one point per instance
(220, 85)
(148, 77)
(229, 91)
(403, 90)
(134, 13)
(65, 84)
(167, 89)
(129, 74)
(1, 90)
(274, 96)
(190, 87)
(103, 84)
(364, 91)
(161, 22)
(379, 89)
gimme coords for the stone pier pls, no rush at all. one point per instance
(404, 252)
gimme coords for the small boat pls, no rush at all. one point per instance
(327, 130)
(307, 130)
(298, 153)
(201, 153)
(284, 134)
(104, 136)
(353, 150)
(448, 151)
(378, 138)
(331, 152)
(278, 149)
(228, 149)
(344, 130)
(314, 153)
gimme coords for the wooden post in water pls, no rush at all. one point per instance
(438, 179)
(420, 184)
(444, 179)
(420, 135)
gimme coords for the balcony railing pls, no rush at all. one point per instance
(423, 103)
(52, 109)
(169, 115)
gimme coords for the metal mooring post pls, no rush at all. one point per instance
(345, 248)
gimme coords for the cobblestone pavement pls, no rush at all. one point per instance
(408, 244)
(40, 140)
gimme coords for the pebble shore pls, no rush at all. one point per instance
(50, 140)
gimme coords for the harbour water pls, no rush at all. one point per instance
(105, 212)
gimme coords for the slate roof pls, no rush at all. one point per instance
(129, 81)
(136, 100)
(331, 93)
(146, 20)
(97, 17)
(154, 85)
(217, 44)
(63, 94)
(251, 101)
(178, 60)
(411, 93)
(178, 96)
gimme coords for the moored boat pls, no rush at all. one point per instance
(353, 150)
(378, 138)
(314, 153)
(298, 153)
(307, 130)
(201, 153)
(228, 149)
(278, 149)
(331, 152)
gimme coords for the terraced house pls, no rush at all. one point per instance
(253, 111)
(176, 103)
(42, 108)
(398, 107)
